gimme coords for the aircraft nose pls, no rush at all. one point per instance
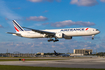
(98, 31)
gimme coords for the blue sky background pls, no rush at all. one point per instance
(51, 14)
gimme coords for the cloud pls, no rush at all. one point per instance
(53, 0)
(35, 18)
(6, 19)
(45, 23)
(84, 2)
(87, 37)
(1, 26)
(102, 0)
(17, 8)
(37, 45)
(35, 0)
(45, 11)
(58, 0)
(53, 46)
(70, 23)
(6, 12)
(38, 24)
(49, 0)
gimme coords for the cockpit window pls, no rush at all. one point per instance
(97, 30)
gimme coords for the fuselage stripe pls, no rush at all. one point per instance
(87, 28)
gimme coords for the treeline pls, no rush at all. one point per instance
(100, 54)
(50, 53)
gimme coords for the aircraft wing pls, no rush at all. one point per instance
(41, 32)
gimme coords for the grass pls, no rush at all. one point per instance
(8, 67)
(28, 59)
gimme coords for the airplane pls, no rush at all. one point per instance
(61, 54)
(66, 33)
(57, 54)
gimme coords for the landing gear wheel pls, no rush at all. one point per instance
(92, 38)
(50, 40)
(55, 40)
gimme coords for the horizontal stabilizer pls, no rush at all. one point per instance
(14, 33)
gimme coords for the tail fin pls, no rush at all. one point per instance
(55, 53)
(17, 26)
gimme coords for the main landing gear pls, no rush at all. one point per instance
(53, 40)
(92, 37)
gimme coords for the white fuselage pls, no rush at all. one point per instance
(68, 32)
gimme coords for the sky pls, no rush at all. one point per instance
(51, 14)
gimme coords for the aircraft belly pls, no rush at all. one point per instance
(37, 35)
(77, 33)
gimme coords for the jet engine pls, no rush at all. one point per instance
(68, 37)
(59, 35)
(44, 35)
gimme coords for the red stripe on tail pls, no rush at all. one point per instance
(16, 29)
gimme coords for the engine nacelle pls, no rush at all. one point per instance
(68, 37)
(59, 35)
(44, 35)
